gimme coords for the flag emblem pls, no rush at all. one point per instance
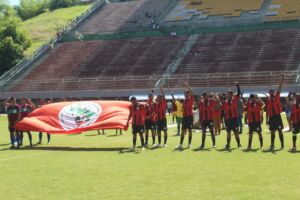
(79, 115)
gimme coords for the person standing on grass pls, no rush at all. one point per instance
(178, 113)
(273, 110)
(230, 107)
(288, 109)
(137, 114)
(27, 106)
(240, 118)
(217, 119)
(254, 106)
(150, 121)
(207, 107)
(42, 103)
(187, 120)
(13, 115)
(161, 117)
(295, 120)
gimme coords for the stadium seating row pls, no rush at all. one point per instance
(279, 10)
(212, 53)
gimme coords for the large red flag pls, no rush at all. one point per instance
(76, 117)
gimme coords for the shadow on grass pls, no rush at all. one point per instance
(250, 150)
(226, 150)
(113, 135)
(204, 149)
(274, 151)
(91, 135)
(1, 145)
(74, 149)
(180, 150)
(292, 152)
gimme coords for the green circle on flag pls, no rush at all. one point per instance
(79, 115)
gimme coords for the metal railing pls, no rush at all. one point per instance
(263, 78)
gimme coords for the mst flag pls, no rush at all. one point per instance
(76, 117)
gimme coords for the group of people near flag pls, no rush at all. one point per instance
(150, 117)
(16, 112)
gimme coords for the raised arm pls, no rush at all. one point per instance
(162, 92)
(280, 84)
(31, 103)
(237, 84)
(188, 87)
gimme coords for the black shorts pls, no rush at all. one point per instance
(150, 125)
(255, 127)
(231, 124)
(187, 122)
(275, 123)
(207, 124)
(138, 129)
(296, 128)
(162, 125)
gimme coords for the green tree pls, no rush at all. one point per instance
(32, 8)
(13, 41)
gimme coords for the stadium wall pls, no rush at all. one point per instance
(125, 93)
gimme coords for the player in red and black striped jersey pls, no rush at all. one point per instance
(207, 107)
(137, 114)
(27, 106)
(187, 121)
(295, 120)
(273, 110)
(161, 117)
(230, 108)
(13, 116)
(253, 107)
(150, 119)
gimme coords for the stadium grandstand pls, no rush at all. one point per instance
(131, 46)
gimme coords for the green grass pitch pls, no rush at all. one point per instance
(89, 166)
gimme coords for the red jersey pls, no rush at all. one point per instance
(151, 111)
(161, 109)
(207, 109)
(295, 116)
(217, 112)
(253, 111)
(273, 105)
(231, 108)
(13, 113)
(138, 113)
(25, 110)
(188, 106)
